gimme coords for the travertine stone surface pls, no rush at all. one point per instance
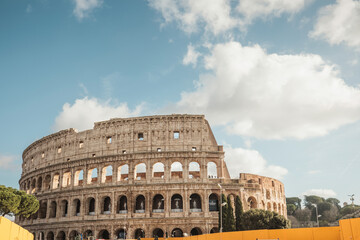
(143, 176)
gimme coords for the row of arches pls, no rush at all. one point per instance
(140, 206)
(78, 177)
(120, 233)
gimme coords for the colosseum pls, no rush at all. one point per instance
(136, 177)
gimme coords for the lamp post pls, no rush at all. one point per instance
(317, 214)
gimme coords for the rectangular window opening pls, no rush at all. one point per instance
(193, 149)
(141, 136)
(108, 140)
(59, 150)
(42, 155)
(176, 135)
(124, 151)
(159, 149)
(81, 144)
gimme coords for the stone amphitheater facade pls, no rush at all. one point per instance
(131, 177)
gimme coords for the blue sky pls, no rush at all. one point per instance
(278, 80)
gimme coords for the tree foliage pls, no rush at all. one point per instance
(295, 201)
(238, 214)
(17, 202)
(224, 212)
(230, 220)
(262, 219)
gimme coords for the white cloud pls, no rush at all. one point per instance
(325, 193)
(220, 16)
(84, 112)
(271, 96)
(8, 162)
(339, 23)
(239, 160)
(252, 9)
(213, 15)
(84, 7)
(191, 56)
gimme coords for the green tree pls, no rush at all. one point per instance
(312, 199)
(17, 202)
(238, 213)
(291, 208)
(334, 201)
(230, 220)
(262, 219)
(224, 212)
(295, 201)
(9, 201)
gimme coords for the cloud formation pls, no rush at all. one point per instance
(191, 56)
(220, 16)
(7, 162)
(271, 96)
(84, 112)
(325, 193)
(84, 7)
(250, 161)
(339, 23)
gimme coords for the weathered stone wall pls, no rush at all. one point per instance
(159, 158)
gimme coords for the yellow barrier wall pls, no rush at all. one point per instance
(11, 231)
(349, 229)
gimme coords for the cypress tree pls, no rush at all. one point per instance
(238, 213)
(224, 213)
(230, 220)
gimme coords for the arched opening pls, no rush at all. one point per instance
(61, 236)
(53, 206)
(158, 233)
(78, 178)
(43, 209)
(267, 194)
(87, 234)
(139, 233)
(33, 185)
(106, 175)
(140, 171)
(158, 170)
(47, 182)
(177, 232)
(274, 207)
(122, 205)
(66, 180)
(252, 203)
(176, 203)
(50, 236)
(56, 181)
(123, 173)
(106, 206)
(91, 206)
(213, 202)
(176, 170)
(212, 170)
(158, 203)
(74, 235)
(92, 176)
(214, 230)
(195, 203)
(140, 204)
(64, 208)
(41, 236)
(194, 170)
(269, 206)
(39, 184)
(76, 207)
(279, 208)
(195, 231)
(104, 234)
(120, 233)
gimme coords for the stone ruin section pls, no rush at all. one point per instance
(130, 177)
